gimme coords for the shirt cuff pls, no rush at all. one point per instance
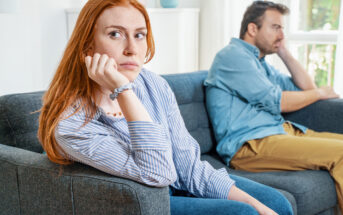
(219, 185)
(147, 136)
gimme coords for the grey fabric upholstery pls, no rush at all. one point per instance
(31, 184)
(321, 116)
(19, 120)
(313, 191)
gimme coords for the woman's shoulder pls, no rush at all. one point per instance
(146, 73)
(153, 79)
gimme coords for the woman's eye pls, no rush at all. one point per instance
(140, 35)
(115, 34)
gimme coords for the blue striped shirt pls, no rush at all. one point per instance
(158, 153)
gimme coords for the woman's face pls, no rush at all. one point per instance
(120, 32)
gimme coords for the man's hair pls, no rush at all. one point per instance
(254, 14)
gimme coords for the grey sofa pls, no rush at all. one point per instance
(31, 184)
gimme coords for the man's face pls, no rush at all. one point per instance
(268, 38)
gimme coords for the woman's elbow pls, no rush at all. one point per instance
(163, 180)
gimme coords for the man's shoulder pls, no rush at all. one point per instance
(234, 56)
(235, 51)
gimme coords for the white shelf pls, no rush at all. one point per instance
(176, 35)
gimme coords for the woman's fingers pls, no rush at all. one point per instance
(101, 65)
(88, 62)
(95, 62)
(103, 70)
(110, 66)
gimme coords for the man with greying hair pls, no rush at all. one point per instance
(245, 98)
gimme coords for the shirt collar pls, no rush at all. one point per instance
(251, 48)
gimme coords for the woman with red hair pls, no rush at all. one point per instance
(104, 110)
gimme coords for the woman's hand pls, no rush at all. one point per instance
(262, 209)
(239, 195)
(103, 70)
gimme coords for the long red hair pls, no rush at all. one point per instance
(71, 81)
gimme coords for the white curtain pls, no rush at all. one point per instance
(219, 21)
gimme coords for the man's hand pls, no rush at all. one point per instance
(327, 93)
(300, 76)
(295, 100)
(282, 50)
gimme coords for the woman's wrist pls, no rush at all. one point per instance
(119, 84)
(124, 87)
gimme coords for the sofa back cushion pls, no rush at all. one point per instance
(190, 95)
(19, 120)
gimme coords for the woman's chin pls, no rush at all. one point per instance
(129, 74)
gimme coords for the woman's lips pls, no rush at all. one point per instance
(128, 66)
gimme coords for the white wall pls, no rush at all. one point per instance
(32, 41)
(219, 22)
(20, 42)
(182, 3)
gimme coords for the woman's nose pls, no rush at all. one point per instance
(131, 47)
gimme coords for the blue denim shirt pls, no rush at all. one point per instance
(243, 96)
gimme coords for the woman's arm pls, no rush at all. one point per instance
(199, 177)
(241, 196)
(196, 176)
(143, 155)
(103, 70)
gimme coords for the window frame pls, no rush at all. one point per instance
(334, 37)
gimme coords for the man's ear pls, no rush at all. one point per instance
(252, 29)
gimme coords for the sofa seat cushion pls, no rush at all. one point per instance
(313, 190)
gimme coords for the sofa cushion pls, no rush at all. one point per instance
(9, 191)
(19, 120)
(325, 111)
(190, 95)
(312, 189)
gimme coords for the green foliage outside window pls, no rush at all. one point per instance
(320, 61)
(323, 14)
(319, 58)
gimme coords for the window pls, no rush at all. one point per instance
(313, 31)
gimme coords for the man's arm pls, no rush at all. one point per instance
(295, 100)
(300, 76)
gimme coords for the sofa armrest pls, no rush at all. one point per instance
(39, 186)
(326, 115)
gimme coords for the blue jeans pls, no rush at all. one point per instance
(187, 204)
